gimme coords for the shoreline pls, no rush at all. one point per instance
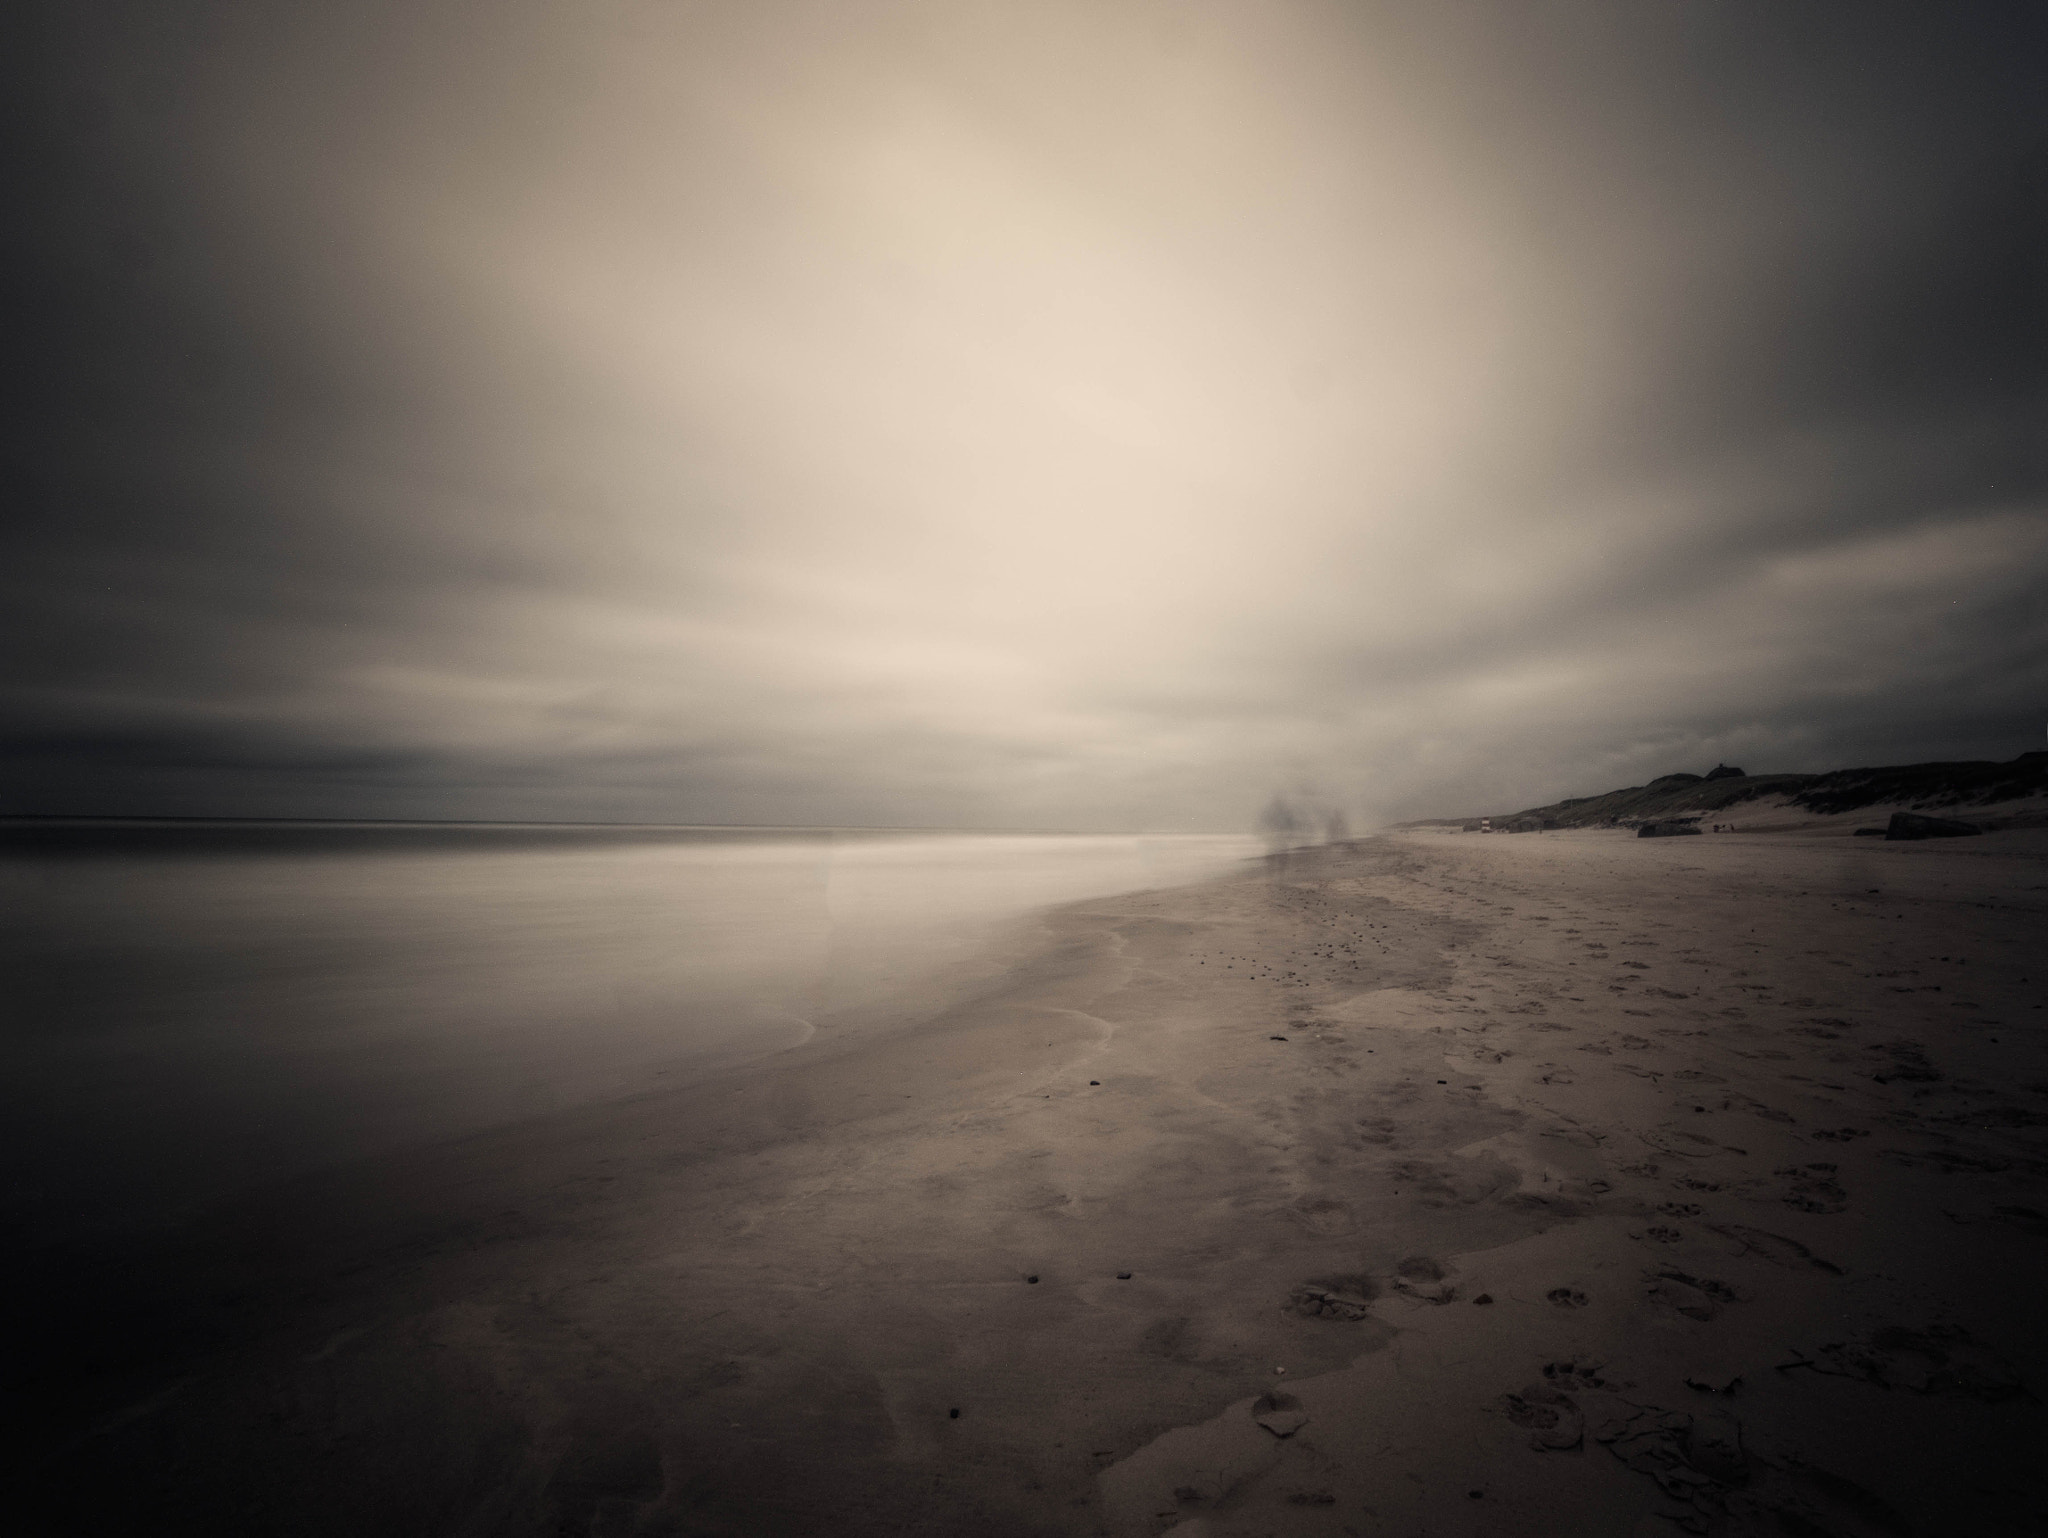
(751, 1305)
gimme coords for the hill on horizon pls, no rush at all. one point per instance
(1918, 787)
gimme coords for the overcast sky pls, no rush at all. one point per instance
(1090, 415)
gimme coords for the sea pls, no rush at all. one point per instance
(191, 1009)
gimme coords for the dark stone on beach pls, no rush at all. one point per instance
(1094, 1081)
(1666, 829)
(1276, 1038)
(1913, 825)
(1726, 772)
(1031, 1279)
(1123, 1276)
(952, 1415)
(1482, 1300)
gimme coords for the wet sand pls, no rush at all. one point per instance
(1543, 1184)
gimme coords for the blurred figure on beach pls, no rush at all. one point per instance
(1291, 826)
(1282, 826)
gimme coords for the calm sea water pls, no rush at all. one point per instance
(190, 1010)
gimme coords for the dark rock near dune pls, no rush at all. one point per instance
(1666, 829)
(1914, 825)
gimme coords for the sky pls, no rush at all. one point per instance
(1095, 415)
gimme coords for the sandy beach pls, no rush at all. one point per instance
(1563, 1183)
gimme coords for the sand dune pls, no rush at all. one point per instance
(1564, 1184)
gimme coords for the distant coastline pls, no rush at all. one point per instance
(60, 834)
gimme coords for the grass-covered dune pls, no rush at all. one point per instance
(1920, 787)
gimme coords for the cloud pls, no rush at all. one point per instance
(1085, 415)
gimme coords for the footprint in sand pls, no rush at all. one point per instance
(1174, 1339)
(1948, 1161)
(1552, 1417)
(1377, 1130)
(1334, 1297)
(1578, 1375)
(1425, 1279)
(1907, 1062)
(1775, 1248)
(1693, 1458)
(1280, 1414)
(1672, 1140)
(1807, 1188)
(1321, 1215)
(1696, 1297)
(2025, 1219)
